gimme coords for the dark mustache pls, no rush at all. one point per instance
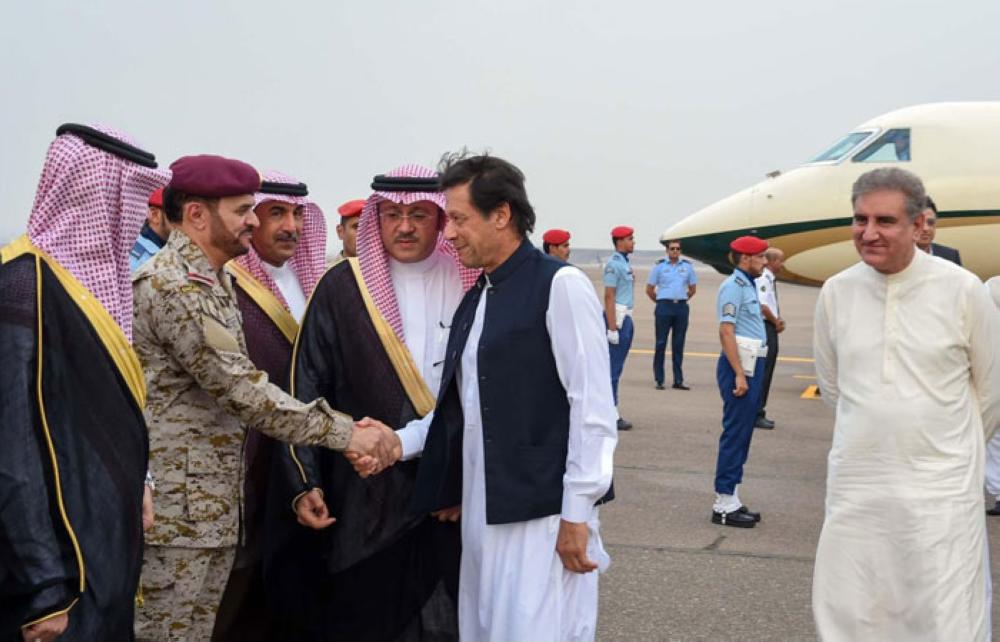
(287, 236)
(406, 237)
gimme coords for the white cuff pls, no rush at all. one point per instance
(576, 508)
(413, 435)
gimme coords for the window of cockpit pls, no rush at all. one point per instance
(841, 148)
(891, 147)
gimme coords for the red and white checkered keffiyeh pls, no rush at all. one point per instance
(374, 259)
(309, 260)
(88, 210)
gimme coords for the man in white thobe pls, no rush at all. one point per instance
(905, 351)
(373, 343)
(523, 434)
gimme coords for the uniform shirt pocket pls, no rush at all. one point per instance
(218, 336)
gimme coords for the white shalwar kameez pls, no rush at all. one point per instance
(512, 583)
(910, 363)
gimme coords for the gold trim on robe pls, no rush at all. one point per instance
(399, 355)
(107, 329)
(265, 300)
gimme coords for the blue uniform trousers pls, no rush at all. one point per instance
(619, 352)
(669, 317)
(738, 416)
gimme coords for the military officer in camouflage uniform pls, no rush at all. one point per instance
(203, 393)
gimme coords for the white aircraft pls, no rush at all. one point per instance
(953, 147)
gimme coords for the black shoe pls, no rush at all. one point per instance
(624, 425)
(749, 513)
(736, 518)
(660, 386)
(763, 423)
(680, 386)
(995, 510)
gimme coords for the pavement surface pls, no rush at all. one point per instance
(674, 575)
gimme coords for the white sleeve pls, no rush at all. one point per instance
(825, 351)
(983, 322)
(579, 344)
(413, 435)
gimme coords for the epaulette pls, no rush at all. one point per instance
(660, 261)
(740, 282)
(685, 261)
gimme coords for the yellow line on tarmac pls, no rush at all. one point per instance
(713, 355)
(807, 377)
(812, 392)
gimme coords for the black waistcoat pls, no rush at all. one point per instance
(522, 401)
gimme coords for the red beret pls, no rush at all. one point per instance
(748, 245)
(213, 176)
(350, 209)
(156, 198)
(555, 237)
(621, 232)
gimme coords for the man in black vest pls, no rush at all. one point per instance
(525, 395)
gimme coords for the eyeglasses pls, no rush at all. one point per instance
(674, 249)
(395, 217)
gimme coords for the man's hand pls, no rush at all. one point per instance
(572, 547)
(613, 337)
(46, 630)
(312, 512)
(373, 447)
(780, 325)
(448, 514)
(148, 514)
(741, 385)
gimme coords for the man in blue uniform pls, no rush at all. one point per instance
(618, 303)
(153, 235)
(739, 374)
(672, 282)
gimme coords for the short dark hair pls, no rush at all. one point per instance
(931, 205)
(669, 241)
(492, 182)
(175, 200)
(545, 247)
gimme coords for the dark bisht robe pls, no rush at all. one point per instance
(73, 453)
(244, 615)
(380, 572)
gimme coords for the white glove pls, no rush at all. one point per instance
(613, 337)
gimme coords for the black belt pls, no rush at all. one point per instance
(672, 300)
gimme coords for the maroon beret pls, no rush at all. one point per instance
(748, 245)
(350, 209)
(621, 232)
(555, 237)
(156, 198)
(213, 176)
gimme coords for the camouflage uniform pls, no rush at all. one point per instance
(203, 393)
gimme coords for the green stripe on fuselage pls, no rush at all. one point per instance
(713, 249)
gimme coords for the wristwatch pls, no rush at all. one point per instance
(150, 481)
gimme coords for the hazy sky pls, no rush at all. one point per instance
(618, 112)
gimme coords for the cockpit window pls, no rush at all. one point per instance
(891, 147)
(841, 148)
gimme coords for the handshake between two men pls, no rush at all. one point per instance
(373, 448)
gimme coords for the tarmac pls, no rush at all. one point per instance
(674, 575)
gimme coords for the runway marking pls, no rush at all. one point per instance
(809, 377)
(714, 355)
(812, 392)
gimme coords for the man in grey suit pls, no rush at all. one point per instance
(926, 239)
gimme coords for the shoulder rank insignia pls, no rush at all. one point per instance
(739, 281)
